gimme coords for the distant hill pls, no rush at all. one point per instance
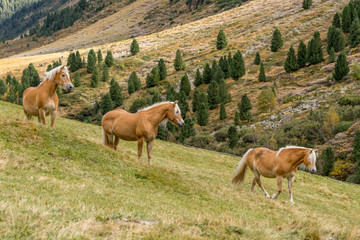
(8, 8)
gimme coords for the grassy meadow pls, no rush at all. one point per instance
(61, 183)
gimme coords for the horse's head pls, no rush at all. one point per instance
(310, 161)
(62, 78)
(174, 115)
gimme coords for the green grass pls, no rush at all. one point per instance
(61, 183)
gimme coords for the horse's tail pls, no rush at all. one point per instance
(105, 139)
(241, 169)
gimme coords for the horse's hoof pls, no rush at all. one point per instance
(274, 196)
(268, 196)
(292, 202)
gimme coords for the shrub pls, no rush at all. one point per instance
(342, 127)
(221, 135)
(352, 100)
(201, 141)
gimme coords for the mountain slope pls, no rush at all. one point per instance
(62, 183)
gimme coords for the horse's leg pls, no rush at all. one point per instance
(253, 185)
(140, 147)
(258, 181)
(149, 150)
(53, 116)
(42, 116)
(279, 183)
(290, 184)
(116, 142)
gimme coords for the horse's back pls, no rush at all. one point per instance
(263, 160)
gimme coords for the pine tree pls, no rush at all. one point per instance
(92, 52)
(135, 81)
(109, 59)
(276, 42)
(262, 77)
(49, 68)
(266, 100)
(195, 101)
(346, 19)
(207, 75)
(131, 87)
(336, 21)
(335, 39)
(291, 64)
(162, 69)
(222, 111)
(328, 157)
(187, 131)
(99, 56)
(77, 80)
(332, 55)
(225, 67)
(306, 4)
(218, 74)
(105, 76)
(341, 67)
(238, 66)
(354, 36)
(237, 119)
(25, 79)
(223, 92)
(179, 63)
(106, 104)
(137, 104)
(183, 104)
(221, 40)
(314, 50)
(156, 98)
(233, 136)
(90, 63)
(116, 93)
(213, 96)
(94, 82)
(198, 78)
(78, 62)
(134, 48)
(171, 94)
(202, 115)
(214, 67)
(2, 87)
(185, 85)
(257, 59)
(301, 55)
(244, 108)
(153, 78)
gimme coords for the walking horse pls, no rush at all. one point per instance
(275, 164)
(42, 100)
(141, 126)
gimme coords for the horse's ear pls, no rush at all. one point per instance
(176, 102)
(62, 67)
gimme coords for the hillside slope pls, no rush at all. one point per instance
(62, 183)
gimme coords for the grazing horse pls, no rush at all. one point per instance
(272, 164)
(42, 100)
(141, 126)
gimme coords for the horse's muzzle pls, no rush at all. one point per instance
(69, 87)
(181, 124)
(313, 170)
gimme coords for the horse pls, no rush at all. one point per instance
(275, 164)
(141, 126)
(42, 100)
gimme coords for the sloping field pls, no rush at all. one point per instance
(61, 183)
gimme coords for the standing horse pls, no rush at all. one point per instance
(42, 100)
(141, 126)
(271, 164)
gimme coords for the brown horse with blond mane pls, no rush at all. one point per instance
(42, 100)
(141, 126)
(275, 164)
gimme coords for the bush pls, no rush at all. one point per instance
(221, 135)
(352, 100)
(201, 141)
(342, 170)
(342, 127)
(349, 113)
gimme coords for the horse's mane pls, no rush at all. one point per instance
(288, 147)
(154, 105)
(50, 75)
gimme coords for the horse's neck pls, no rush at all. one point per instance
(157, 115)
(49, 86)
(299, 160)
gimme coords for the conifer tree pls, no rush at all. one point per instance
(2, 87)
(354, 36)
(244, 108)
(135, 80)
(156, 98)
(262, 77)
(153, 78)
(218, 74)
(94, 82)
(238, 66)
(328, 157)
(183, 104)
(207, 75)
(195, 101)
(306, 4)
(332, 55)
(213, 96)
(109, 59)
(137, 104)
(78, 61)
(179, 63)
(92, 52)
(202, 115)
(336, 21)
(106, 104)
(346, 19)
(225, 67)
(49, 68)
(99, 56)
(25, 79)
(314, 50)
(90, 63)
(105, 75)
(335, 39)
(223, 92)
(237, 119)
(233, 136)
(222, 111)
(116, 93)
(301, 55)
(162, 69)
(198, 78)
(134, 48)
(77, 80)
(257, 59)
(171, 94)
(185, 85)
(291, 64)
(221, 40)
(276, 42)
(187, 131)
(214, 67)
(341, 67)
(131, 87)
